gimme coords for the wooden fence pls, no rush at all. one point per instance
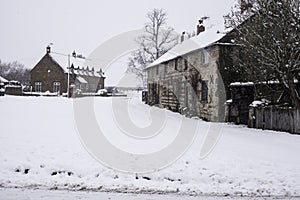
(272, 118)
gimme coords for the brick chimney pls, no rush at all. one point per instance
(200, 27)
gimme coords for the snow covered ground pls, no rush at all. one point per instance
(33, 194)
(40, 148)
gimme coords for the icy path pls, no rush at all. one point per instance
(21, 194)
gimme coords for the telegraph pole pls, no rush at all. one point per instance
(68, 88)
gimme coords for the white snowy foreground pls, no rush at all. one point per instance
(41, 148)
(34, 194)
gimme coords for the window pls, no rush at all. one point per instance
(186, 64)
(157, 70)
(176, 63)
(56, 87)
(38, 87)
(205, 55)
(204, 91)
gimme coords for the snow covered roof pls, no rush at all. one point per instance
(3, 80)
(81, 80)
(242, 84)
(262, 102)
(262, 82)
(62, 60)
(256, 103)
(204, 39)
(78, 64)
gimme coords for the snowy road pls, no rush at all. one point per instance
(28, 194)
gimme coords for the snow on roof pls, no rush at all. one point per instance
(62, 60)
(262, 82)
(204, 39)
(3, 80)
(81, 80)
(242, 84)
(78, 64)
(256, 103)
(262, 102)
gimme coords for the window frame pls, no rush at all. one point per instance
(176, 64)
(186, 64)
(205, 55)
(38, 86)
(204, 90)
(56, 86)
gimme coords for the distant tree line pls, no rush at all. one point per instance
(15, 71)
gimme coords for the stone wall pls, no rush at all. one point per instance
(177, 85)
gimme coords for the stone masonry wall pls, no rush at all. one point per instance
(180, 88)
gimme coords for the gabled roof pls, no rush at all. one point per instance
(78, 65)
(204, 39)
(62, 61)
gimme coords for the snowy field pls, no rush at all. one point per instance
(40, 148)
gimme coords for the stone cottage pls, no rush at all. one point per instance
(193, 77)
(51, 74)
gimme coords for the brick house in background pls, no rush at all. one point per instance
(51, 74)
(193, 77)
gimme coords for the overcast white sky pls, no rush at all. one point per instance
(27, 27)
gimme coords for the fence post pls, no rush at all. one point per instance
(271, 116)
(292, 121)
(297, 121)
(263, 119)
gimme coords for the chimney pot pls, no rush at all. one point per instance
(48, 49)
(74, 54)
(200, 27)
(182, 36)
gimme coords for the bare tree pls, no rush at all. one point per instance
(157, 39)
(269, 33)
(15, 71)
